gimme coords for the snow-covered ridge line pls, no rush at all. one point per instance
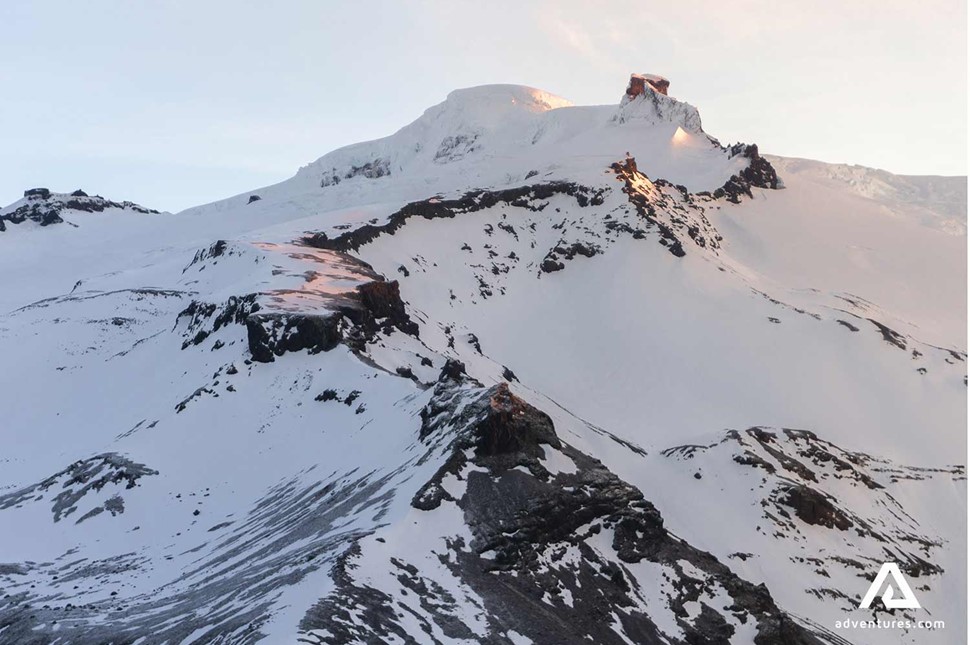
(936, 200)
(41, 206)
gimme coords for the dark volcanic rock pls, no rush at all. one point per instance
(206, 318)
(453, 369)
(45, 208)
(759, 173)
(812, 507)
(512, 425)
(274, 334)
(353, 318)
(524, 519)
(43, 193)
(677, 222)
(522, 197)
(551, 265)
(552, 260)
(889, 335)
(383, 300)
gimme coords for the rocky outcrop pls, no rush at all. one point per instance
(556, 551)
(353, 318)
(375, 169)
(810, 493)
(562, 251)
(640, 83)
(645, 101)
(456, 147)
(381, 299)
(205, 318)
(530, 197)
(812, 507)
(43, 207)
(758, 174)
(217, 249)
(274, 334)
(671, 209)
(95, 484)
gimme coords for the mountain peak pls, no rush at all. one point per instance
(514, 96)
(43, 207)
(453, 144)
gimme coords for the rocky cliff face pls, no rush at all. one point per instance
(341, 301)
(641, 83)
(547, 542)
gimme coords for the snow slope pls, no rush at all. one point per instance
(522, 371)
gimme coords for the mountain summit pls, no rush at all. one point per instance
(521, 372)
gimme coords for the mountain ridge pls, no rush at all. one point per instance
(559, 373)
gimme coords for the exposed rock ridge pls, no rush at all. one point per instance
(640, 83)
(42, 206)
(352, 318)
(678, 220)
(758, 174)
(556, 544)
(81, 482)
(809, 485)
(524, 196)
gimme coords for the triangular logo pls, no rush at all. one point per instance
(891, 570)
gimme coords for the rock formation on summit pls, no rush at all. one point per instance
(639, 83)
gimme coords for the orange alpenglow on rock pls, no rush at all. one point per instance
(640, 82)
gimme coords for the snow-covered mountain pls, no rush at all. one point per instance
(521, 372)
(41, 207)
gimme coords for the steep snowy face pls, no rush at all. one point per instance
(519, 372)
(41, 207)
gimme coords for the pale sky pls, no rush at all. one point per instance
(177, 103)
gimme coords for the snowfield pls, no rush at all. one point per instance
(521, 372)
